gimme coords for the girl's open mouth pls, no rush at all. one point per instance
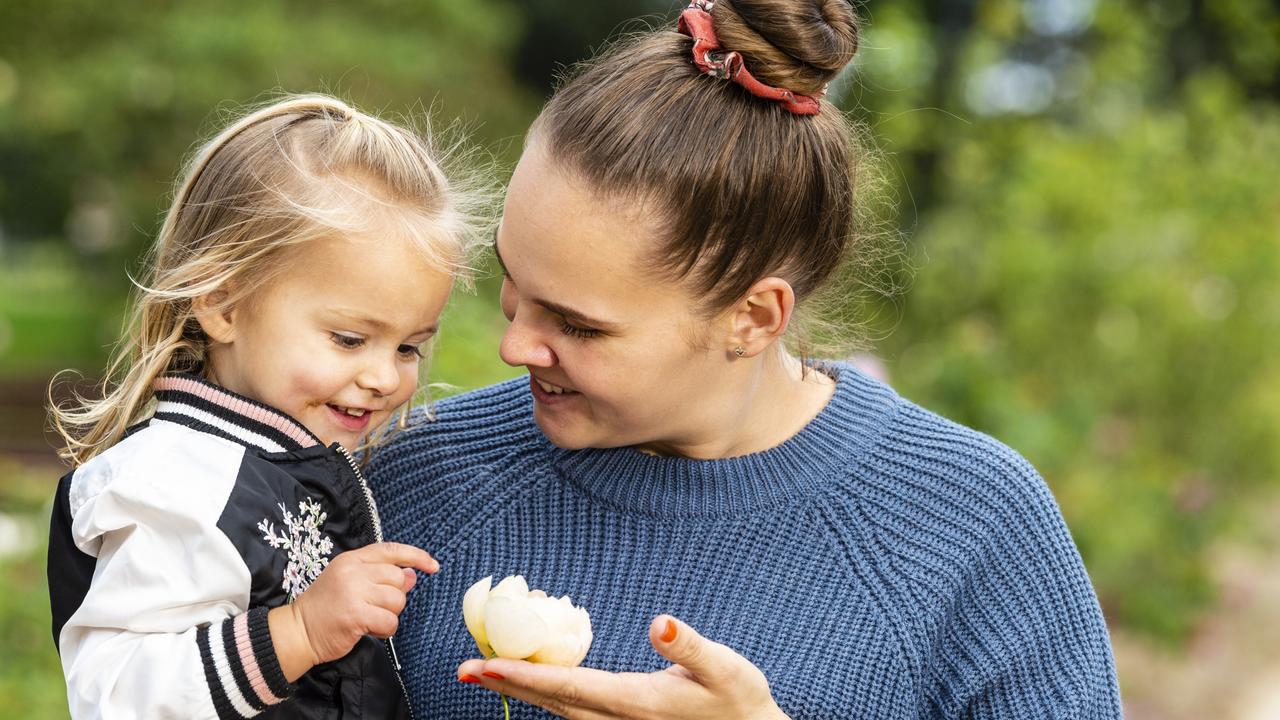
(354, 419)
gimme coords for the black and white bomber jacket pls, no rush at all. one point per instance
(167, 550)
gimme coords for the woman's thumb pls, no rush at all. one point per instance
(710, 662)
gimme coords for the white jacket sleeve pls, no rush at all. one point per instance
(164, 629)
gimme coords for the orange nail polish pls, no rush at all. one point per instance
(492, 674)
(470, 679)
(669, 635)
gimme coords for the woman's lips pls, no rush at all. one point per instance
(550, 397)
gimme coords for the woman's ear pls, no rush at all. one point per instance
(216, 318)
(761, 316)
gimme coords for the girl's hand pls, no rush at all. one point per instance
(361, 592)
(707, 681)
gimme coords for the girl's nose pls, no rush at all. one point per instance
(381, 377)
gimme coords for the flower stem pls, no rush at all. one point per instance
(506, 708)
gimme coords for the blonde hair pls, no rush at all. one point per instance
(302, 168)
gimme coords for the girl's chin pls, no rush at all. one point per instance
(328, 435)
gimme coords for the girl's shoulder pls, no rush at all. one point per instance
(155, 462)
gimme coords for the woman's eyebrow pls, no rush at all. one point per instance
(567, 312)
(574, 315)
(497, 255)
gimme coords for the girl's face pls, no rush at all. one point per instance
(335, 340)
(616, 357)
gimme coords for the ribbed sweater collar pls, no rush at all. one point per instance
(193, 401)
(630, 481)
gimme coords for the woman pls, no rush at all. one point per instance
(840, 551)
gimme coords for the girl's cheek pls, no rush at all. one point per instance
(313, 381)
(408, 386)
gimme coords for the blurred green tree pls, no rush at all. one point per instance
(1094, 223)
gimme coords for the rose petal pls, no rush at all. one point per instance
(512, 586)
(473, 611)
(514, 629)
(566, 650)
(570, 633)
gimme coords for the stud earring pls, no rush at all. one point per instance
(740, 351)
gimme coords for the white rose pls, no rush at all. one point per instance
(511, 621)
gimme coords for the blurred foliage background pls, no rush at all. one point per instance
(1089, 195)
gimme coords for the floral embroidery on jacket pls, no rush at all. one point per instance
(308, 550)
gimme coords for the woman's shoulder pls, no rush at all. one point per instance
(921, 475)
(507, 402)
(459, 433)
(945, 504)
(933, 459)
(974, 552)
(921, 453)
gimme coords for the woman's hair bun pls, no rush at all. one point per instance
(800, 45)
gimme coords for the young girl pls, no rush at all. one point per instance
(216, 552)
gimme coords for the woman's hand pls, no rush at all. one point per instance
(706, 681)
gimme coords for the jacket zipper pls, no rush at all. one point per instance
(368, 496)
(377, 535)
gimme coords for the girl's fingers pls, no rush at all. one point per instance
(382, 574)
(406, 556)
(383, 623)
(387, 598)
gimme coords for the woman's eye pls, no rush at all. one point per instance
(574, 331)
(347, 341)
(410, 351)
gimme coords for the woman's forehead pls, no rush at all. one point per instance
(565, 245)
(555, 226)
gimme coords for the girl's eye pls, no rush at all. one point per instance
(347, 341)
(578, 332)
(410, 351)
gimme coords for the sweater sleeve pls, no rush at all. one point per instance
(160, 626)
(1025, 636)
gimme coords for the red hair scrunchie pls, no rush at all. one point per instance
(695, 21)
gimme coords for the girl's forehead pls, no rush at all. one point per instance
(386, 277)
(366, 252)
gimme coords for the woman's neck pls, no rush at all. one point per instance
(772, 399)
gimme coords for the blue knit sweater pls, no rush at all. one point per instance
(882, 563)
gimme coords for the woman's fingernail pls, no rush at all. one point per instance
(492, 674)
(669, 635)
(470, 679)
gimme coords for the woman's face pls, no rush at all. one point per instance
(616, 357)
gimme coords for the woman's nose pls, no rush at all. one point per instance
(522, 345)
